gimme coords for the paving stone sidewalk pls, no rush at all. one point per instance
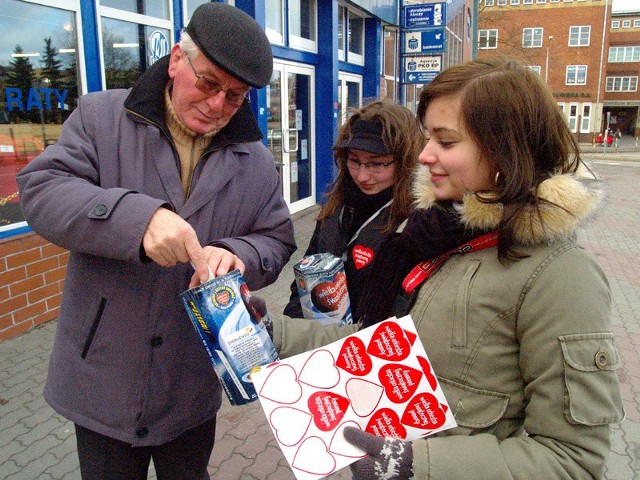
(36, 443)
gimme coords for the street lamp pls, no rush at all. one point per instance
(546, 68)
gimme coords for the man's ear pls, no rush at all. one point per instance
(174, 60)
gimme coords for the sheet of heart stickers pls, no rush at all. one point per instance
(379, 380)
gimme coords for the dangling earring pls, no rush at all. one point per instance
(496, 179)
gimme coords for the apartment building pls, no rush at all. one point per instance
(621, 97)
(565, 41)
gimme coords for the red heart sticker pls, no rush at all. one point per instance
(389, 343)
(426, 368)
(330, 296)
(386, 423)
(362, 256)
(327, 409)
(400, 382)
(353, 357)
(424, 411)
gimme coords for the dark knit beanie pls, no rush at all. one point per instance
(233, 41)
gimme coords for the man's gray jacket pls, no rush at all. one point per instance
(127, 362)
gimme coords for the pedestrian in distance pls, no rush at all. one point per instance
(516, 321)
(141, 185)
(375, 153)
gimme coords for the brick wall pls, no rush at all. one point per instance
(32, 274)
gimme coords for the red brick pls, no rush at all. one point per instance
(50, 250)
(4, 293)
(54, 301)
(24, 258)
(47, 316)
(29, 312)
(32, 241)
(43, 293)
(15, 330)
(55, 275)
(43, 265)
(9, 247)
(26, 285)
(14, 303)
(12, 276)
(6, 321)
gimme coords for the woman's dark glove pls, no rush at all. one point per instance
(388, 459)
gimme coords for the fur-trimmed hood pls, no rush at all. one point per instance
(574, 199)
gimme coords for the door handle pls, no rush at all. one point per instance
(286, 140)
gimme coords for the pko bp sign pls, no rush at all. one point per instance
(421, 68)
(425, 15)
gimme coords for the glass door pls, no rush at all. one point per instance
(290, 135)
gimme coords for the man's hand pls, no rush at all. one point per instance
(220, 261)
(170, 239)
(388, 459)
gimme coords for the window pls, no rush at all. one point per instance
(532, 37)
(576, 75)
(190, 7)
(615, 24)
(274, 13)
(130, 47)
(636, 23)
(622, 84)
(303, 24)
(624, 54)
(527, 2)
(342, 38)
(579, 36)
(536, 68)
(502, 3)
(626, 24)
(40, 82)
(488, 39)
(514, 2)
(151, 8)
(355, 38)
(488, 3)
(388, 88)
(541, 1)
(573, 117)
(585, 121)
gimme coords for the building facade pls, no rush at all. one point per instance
(564, 41)
(329, 56)
(621, 97)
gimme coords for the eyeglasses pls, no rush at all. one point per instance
(212, 88)
(373, 167)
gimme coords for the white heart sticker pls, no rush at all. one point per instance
(320, 370)
(282, 386)
(340, 446)
(364, 396)
(289, 424)
(313, 457)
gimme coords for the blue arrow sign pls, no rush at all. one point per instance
(425, 15)
(431, 40)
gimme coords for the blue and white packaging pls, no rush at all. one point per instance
(232, 332)
(322, 286)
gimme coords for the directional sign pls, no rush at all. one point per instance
(421, 68)
(425, 15)
(431, 40)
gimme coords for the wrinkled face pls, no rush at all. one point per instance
(199, 111)
(372, 173)
(450, 154)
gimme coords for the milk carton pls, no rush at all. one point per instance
(322, 285)
(232, 331)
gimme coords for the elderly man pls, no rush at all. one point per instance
(143, 184)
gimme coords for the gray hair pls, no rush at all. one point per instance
(188, 46)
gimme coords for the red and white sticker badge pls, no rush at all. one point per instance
(379, 380)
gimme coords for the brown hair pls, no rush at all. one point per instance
(401, 135)
(515, 122)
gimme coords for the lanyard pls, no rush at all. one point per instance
(367, 222)
(423, 270)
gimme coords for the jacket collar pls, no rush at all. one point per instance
(146, 100)
(574, 197)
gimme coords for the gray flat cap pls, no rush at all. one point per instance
(233, 41)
